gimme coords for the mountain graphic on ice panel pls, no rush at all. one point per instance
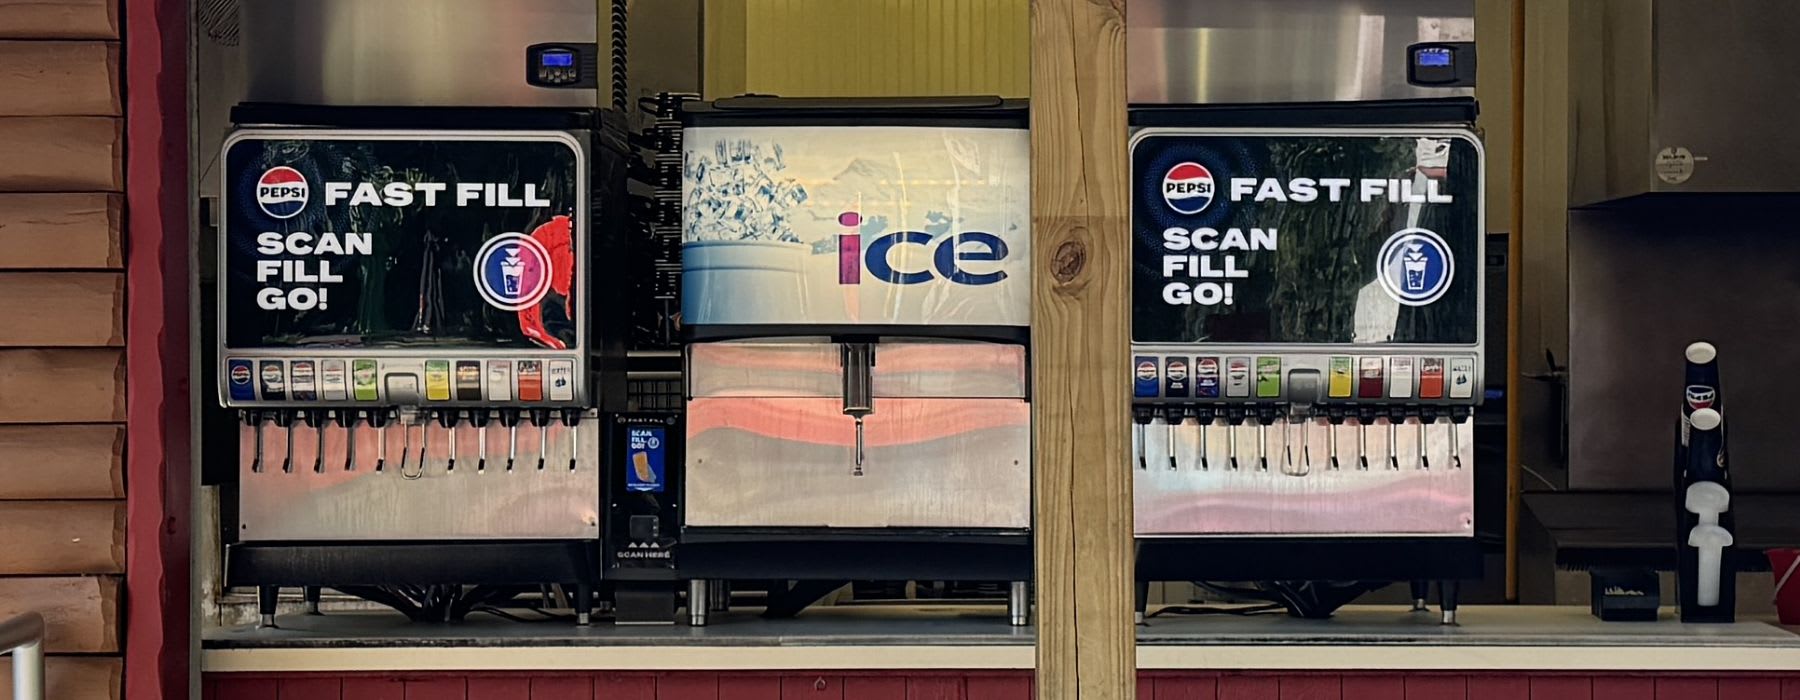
(793, 183)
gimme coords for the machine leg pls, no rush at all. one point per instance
(312, 599)
(584, 604)
(1143, 600)
(1018, 604)
(697, 602)
(1447, 591)
(1421, 590)
(265, 604)
(720, 596)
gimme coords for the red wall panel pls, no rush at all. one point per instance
(874, 688)
(1249, 688)
(688, 686)
(1561, 688)
(613, 687)
(1362, 687)
(934, 688)
(501, 688)
(1500, 688)
(1320, 687)
(1437, 687)
(453, 688)
(1196, 687)
(750, 688)
(1749, 689)
(372, 689)
(316, 688)
(991, 688)
(990, 685)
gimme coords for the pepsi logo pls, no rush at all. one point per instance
(1146, 370)
(1178, 370)
(281, 192)
(1188, 188)
(1701, 396)
(240, 374)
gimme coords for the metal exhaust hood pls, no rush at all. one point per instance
(1683, 96)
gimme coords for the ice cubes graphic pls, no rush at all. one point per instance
(737, 193)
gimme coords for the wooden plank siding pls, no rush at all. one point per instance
(1080, 269)
(62, 333)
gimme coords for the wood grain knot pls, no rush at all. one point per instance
(1070, 257)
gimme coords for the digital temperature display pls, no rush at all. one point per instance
(558, 60)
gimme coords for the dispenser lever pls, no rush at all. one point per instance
(858, 360)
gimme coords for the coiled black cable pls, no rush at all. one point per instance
(620, 93)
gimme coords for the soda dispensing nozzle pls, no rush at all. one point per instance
(1140, 417)
(571, 417)
(1234, 417)
(1395, 416)
(1428, 416)
(1265, 414)
(540, 417)
(285, 419)
(478, 417)
(1334, 415)
(254, 419)
(1364, 416)
(449, 418)
(1204, 415)
(1458, 414)
(378, 417)
(859, 390)
(347, 419)
(315, 419)
(509, 417)
(408, 417)
(1172, 417)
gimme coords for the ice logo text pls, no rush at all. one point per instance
(947, 257)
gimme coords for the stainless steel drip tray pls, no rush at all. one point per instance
(791, 462)
(407, 501)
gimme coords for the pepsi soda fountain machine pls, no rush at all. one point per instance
(1307, 308)
(406, 267)
(855, 291)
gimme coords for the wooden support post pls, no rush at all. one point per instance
(1080, 356)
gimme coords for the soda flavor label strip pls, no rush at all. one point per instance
(1431, 377)
(1206, 378)
(531, 380)
(1268, 377)
(437, 380)
(1145, 375)
(499, 380)
(1237, 377)
(1400, 380)
(468, 380)
(1342, 379)
(365, 380)
(1175, 377)
(1370, 381)
(240, 379)
(334, 382)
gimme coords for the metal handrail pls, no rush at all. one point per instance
(23, 637)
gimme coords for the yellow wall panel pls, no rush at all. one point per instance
(867, 48)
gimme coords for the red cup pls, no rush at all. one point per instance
(1786, 563)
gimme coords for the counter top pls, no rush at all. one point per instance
(947, 638)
